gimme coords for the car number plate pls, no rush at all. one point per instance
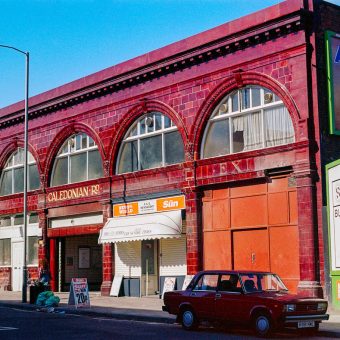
(306, 324)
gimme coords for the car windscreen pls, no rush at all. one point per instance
(207, 282)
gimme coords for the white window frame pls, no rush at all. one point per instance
(71, 152)
(277, 102)
(11, 167)
(12, 231)
(10, 245)
(140, 136)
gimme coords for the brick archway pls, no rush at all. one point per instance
(60, 139)
(12, 147)
(133, 114)
(237, 81)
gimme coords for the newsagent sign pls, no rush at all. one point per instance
(333, 175)
(149, 206)
(333, 79)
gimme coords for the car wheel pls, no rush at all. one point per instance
(263, 325)
(189, 320)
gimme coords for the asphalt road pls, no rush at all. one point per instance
(23, 324)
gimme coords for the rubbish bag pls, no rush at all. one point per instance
(49, 297)
(52, 301)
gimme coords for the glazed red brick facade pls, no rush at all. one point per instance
(185, 81)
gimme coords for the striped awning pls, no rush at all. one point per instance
(142, 227)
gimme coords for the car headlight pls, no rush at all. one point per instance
(289, 308)
(322, 306)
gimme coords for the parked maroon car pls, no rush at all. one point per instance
(259, 299)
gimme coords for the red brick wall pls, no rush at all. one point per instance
(267, 55)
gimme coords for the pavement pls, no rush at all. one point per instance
(133, 308)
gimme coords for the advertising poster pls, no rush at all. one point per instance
(79, 293)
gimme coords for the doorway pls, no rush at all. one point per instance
(149, 268)
(17, 265)
(251, 250)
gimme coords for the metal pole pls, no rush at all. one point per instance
(24, 271)
(24, 274)
(147, 277)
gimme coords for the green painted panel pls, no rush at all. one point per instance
(336, 291)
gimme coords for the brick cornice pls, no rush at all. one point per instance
(215, 49)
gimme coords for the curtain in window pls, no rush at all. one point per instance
(251, 126)
(278, 127)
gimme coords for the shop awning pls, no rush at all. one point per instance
(142, 227)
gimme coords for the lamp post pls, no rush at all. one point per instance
(24, 271)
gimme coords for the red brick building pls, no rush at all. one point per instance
(203, 154)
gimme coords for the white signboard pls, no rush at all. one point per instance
(79, 293)
(186, 282)
(334, 214)
(169, 285)
(115, 287)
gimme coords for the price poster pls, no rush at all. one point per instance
(79, 293)
(169, 285)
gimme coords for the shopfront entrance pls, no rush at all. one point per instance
(149, 244)
(77, 257)
(149, 258)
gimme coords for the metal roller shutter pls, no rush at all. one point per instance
(173, 260)
(128, 259)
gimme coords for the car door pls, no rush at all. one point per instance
(230, 303)
(202, 296)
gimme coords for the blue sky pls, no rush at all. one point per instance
(69, 39)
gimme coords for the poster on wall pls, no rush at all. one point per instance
(84, 258)
(333, 79)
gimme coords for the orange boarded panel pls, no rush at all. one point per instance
(220, 193)
(247, 190)
(207, 215)
(217, 250)
(278, 208)
(284, 254)
(278, 184)
(292, 207)
(249, 211)
(251, 250)
(220, 212)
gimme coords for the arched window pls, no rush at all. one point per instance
(247, 119)
(153, 141)
(12, 177)
(77, 160)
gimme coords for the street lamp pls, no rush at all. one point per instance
(24, 271)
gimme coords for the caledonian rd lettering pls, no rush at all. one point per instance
(69, 194)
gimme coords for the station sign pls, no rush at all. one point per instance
(74, 193)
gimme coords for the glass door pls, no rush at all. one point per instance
(149, 268)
